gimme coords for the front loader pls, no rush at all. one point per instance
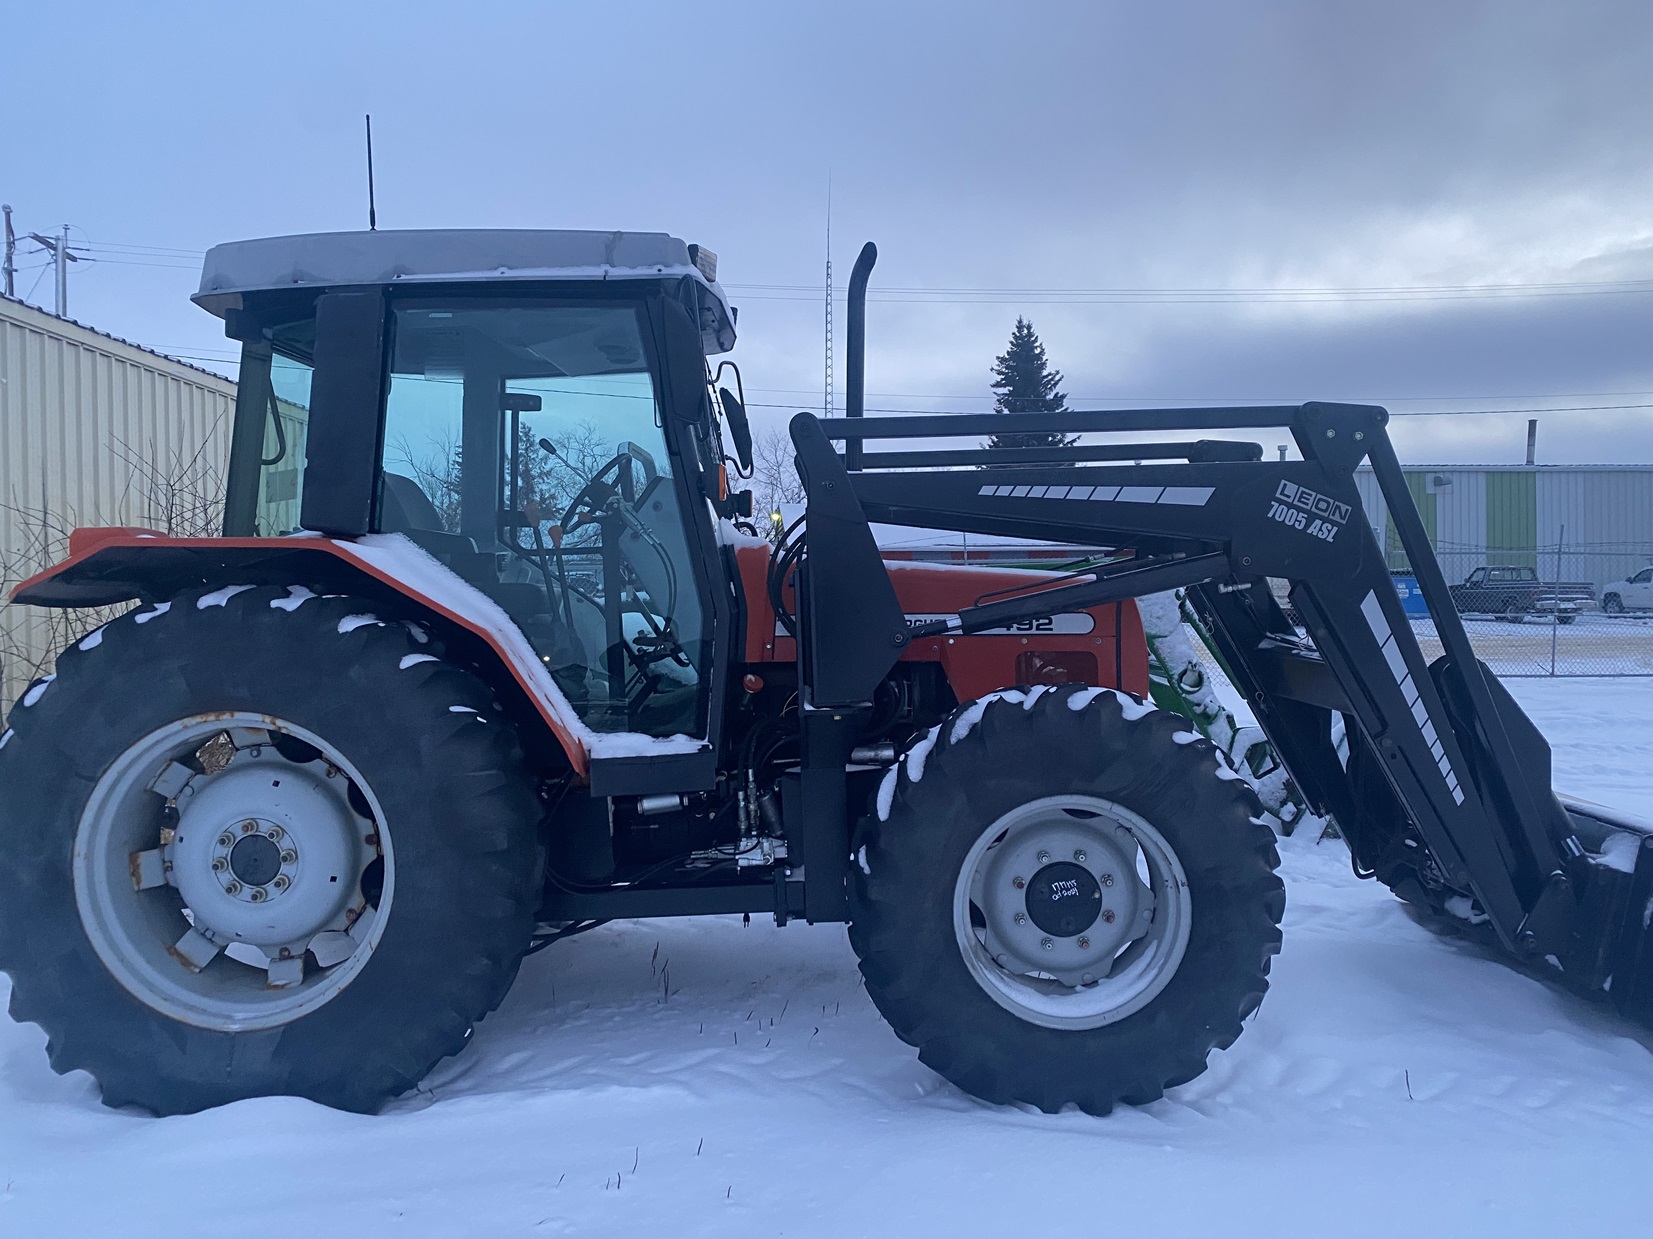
(484, 660)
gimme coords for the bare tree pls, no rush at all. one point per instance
(774, 476)
(181, 495)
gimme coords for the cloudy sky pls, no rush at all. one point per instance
(1445, 205)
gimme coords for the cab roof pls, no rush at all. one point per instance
(428, 255)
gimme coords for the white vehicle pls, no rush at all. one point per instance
(1633, 594)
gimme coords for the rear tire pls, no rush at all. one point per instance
(427, 784)
(1087, 770)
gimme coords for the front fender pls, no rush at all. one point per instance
(110, 566)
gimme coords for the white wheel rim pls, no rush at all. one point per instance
(233, 893)
(1050, 964)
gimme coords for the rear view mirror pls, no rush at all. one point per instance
(740, 429)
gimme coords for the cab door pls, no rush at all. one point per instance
(541, 447)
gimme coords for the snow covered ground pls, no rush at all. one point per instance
(1392, 1083)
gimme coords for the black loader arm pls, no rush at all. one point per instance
(851, 626)
(1447, 785)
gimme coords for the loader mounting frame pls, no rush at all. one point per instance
(1468, 808)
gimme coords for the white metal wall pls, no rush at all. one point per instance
(1607, 511)
(1608, 519)
(93, 431)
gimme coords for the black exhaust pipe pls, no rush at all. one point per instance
(855, 361)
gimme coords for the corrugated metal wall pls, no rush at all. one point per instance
(94, 431)
(1598, 517)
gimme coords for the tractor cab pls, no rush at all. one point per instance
(530, 408)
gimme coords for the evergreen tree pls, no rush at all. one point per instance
(1025, 383)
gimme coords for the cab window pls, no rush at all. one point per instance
(523, 446)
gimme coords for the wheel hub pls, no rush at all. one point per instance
(1064, 899)
(1071, 911)
(255, 858)
(236, 851)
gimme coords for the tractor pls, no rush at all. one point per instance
(489, 655)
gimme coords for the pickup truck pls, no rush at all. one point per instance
(1634, 593)
(1515, 593)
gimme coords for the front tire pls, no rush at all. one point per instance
(1612, 604)
(1071, 899)
(256, 842)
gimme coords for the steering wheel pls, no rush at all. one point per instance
(601, 488)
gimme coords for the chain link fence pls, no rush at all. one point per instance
(1557, 610)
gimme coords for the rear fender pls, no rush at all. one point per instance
(111, 566)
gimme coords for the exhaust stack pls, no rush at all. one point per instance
(855, 360)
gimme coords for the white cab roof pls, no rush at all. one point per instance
(390, 256)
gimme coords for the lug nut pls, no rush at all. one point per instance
(233, 887)
(274, 832)
(282, 882)
(1021, 918)
(225, 841)
(1046, 943)
(1018, 883)
(219, 864)
(259, 894)
(1084, 944)
(1079, 855)
(248, 827)
(1043, 857)
(289, 856)
(1107, 879)
(1108, 916)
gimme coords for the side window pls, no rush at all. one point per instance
(424, 450)
(1477, 577)
(1644, 577)
(281, 466)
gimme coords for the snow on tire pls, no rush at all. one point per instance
(261, 842)
(1066, 896)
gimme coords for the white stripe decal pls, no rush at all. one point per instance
(1372, 609)
(1140, 494)
(1181, 496)
(1187, 496)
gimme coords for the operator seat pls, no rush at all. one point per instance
(404, 508)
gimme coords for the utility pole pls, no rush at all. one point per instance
(58, 248)
(10, 268)
(63, 273)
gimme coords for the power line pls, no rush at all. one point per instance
(1576, 408)
(1337, 292)
(135, 254)
(1231, 400)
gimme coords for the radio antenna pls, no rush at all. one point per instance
(372, 213)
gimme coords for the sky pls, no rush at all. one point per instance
(1432, 206)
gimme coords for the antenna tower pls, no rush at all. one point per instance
(828, 399)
